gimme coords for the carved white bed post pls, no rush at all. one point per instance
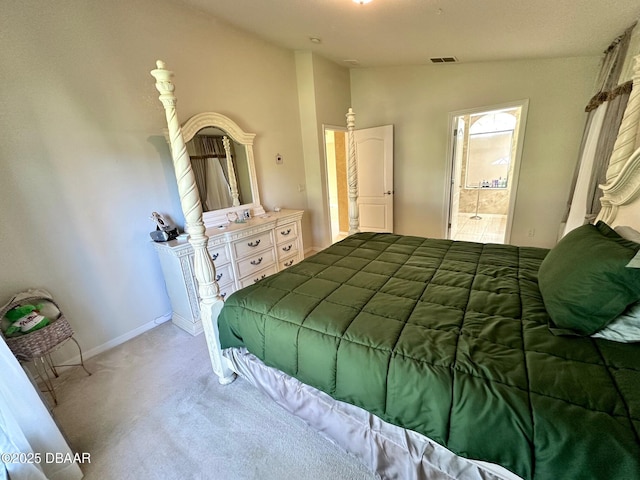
(211, 302)
(622, 178)
(233, 183)
(352, 174)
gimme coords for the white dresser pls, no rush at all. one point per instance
(243, 253)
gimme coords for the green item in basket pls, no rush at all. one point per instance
(25, 319)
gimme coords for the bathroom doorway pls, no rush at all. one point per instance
(485, 148)
(335, 142)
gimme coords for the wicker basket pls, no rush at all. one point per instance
(39, 342)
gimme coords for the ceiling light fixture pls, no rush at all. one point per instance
(315, 39)
(361, 2)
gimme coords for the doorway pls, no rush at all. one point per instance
(335, 148)
(374, 157)
(485, 148)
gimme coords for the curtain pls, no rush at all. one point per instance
(27, 427)
(199, 166)
(605, 110)
(219, 192)
(576, 208)
(208, 161)
(607, 139)
(213, 146)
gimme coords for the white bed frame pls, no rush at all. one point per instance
(620, 200)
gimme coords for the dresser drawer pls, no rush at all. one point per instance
(286, 232)
(224, 276)
(225, 290)
(287, 249)
(287, 262)
(256, 262)
(247, 246)
(256, 277)
(219, 254)
(224, 273)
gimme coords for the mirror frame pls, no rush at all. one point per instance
(191, 127)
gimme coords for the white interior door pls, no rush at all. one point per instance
(374, 153)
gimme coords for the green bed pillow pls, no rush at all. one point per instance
(584, 281)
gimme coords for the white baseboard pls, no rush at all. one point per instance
(121, 339)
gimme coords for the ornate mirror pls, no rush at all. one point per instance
(221, 156)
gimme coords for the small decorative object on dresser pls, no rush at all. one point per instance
(165, 230)
(245, 243)
(243, 253)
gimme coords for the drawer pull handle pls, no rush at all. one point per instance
(218, 277)
(256, 280)
(254, 244)
(256, 262)
(287, 232)
(287, 248)
(215, 256)
(289, 263)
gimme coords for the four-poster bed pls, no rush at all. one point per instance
(400, 345)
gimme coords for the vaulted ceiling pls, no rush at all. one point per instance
(410, 32)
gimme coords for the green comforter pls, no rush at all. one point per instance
(449, 339)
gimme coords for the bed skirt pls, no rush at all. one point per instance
(390, 451)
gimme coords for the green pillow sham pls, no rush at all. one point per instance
(584, 281)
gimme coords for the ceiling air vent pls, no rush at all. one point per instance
(443, 60)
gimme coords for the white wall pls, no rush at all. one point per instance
(324, 96)
(417, 100)
(83, 158)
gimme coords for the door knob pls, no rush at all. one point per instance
(388, 192)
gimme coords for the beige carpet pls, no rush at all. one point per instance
(153, 410)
